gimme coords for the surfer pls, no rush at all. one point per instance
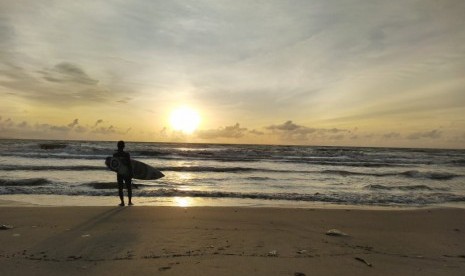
(126, 178)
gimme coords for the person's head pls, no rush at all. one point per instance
(120, 145)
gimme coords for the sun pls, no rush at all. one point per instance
(184, 119)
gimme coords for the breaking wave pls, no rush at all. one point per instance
(25, 182)
(412, 199)
(404, 188)
(430, 175)
(201, 169)
(408, 174)
(51, 168)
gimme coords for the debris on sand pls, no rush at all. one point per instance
(335, 232)
(363, 261)
(273, 253)
(5, 227)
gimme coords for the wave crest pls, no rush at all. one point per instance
(24, 182)
(404, 188)
(408, 174)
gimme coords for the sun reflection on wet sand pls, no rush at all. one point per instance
(183, 201)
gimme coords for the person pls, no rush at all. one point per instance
(125, 159)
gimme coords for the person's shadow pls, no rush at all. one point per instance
(101, 237)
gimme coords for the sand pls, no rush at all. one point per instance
(230, 241)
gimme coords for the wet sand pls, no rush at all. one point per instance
(230, 241)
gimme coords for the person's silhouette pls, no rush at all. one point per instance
(125, 159)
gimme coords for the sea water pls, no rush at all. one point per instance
(268, 174)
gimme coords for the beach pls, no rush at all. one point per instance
(150, 240)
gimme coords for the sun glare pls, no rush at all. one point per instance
(183, 201)
(184, 119)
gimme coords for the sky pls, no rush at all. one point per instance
(310, 72)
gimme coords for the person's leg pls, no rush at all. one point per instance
(120, 189)
(129, 187)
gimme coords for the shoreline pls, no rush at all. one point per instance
(230, 241)
(22, 200)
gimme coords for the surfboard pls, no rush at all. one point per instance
(140, 169)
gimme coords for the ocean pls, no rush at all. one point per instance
(242, 175)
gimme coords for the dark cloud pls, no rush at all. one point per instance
(235, 131)
(294, 132)
(98, 122)
(124, 100)
(289, 126)
(42, 130)
(23, 124)
(68, 72)
(74, 123)
(15, 77)
(8, 122)
(433, 134)
(256, 132)
(65, 84)
(291, 131)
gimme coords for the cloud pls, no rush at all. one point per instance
(392, 135)
(80, 129)
(66, 84)
(290, 131)
(105, 130)
(23, 124)
(8, 122)
(125, 100)
(73, 129)
(289, 126)
(256, 132)
(99, 121)
(433, 134)
(234, 131)
(73, 123)
(60, 128)
(68, 72)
